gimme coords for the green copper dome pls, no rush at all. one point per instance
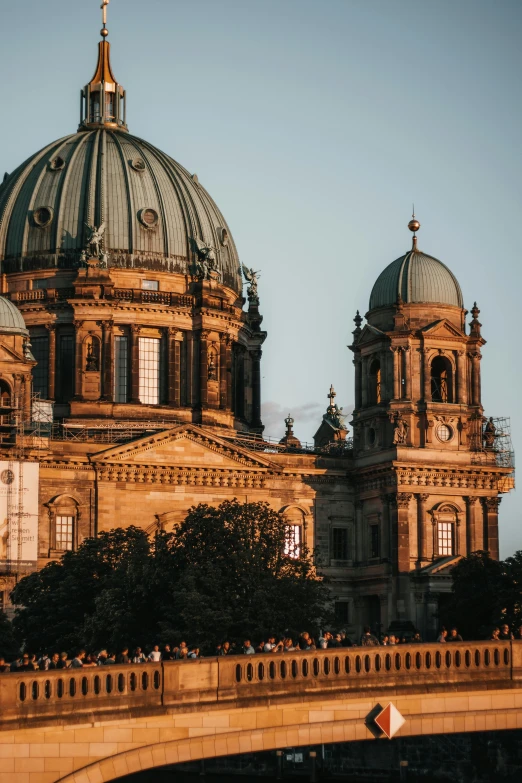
(11, 319)
(416, 277)
(154, 213)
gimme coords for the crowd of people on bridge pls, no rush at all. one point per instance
(273, 644)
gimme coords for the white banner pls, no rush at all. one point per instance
(19, 527)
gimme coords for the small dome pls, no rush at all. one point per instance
(11, 319)
(416, 277)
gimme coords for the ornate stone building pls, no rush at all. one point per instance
(131, 289)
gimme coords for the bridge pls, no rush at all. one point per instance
(98, 724)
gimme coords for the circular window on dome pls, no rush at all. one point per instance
(43, 216)
(138, 164)
(57, 164)
(444, 433)
(148, 217)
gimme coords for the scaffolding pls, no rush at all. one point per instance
(21, 432)
(491, 444)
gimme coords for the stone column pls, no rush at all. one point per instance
(403, 532)
(358, 532)
(386, 553)
(364, 381)
(135, 364)
(426, 374)
(422, 555)
(462, 396)
(475, 363)
(79, 367)
(407, 372)
(385, 383)
(107, 361)
(396, 373)
(256, 387)
(223, 371)
(51, 328)
(490, 506)
(174, 337)
(358, 390)
(203, 369)
(472, 535)
(27, 383)
(228, 372)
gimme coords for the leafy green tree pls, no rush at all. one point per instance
(8, 645)
(57, 604)
(236, 579)
(222, 573)
(485, 593)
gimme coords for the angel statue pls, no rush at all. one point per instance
(251, 276)
(95, 239)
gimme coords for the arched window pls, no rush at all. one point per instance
(441, 380)
(64, 516)
(294, 540)
(445, 527)
(374, 391)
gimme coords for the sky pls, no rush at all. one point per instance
(314, 124)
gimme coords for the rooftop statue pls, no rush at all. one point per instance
(251, 276)
(95, 240)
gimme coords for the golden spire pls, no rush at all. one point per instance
(103, 100)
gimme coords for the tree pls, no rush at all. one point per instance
(8, 645)
(236, 579)
(222, 573)
(485, 593)
(58, 605)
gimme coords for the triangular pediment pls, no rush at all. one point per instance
(443, 328)
(370, 333)
(185, 446)
(8, 355)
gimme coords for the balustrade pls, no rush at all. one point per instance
(28, 695)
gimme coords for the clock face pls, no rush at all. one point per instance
(444, 433)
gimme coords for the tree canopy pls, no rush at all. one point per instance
(485, 593)
(223, 573)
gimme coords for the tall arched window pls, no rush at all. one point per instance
(441, 380)
(294, 540)
(64, 516)
(375, 392)
(445, 531)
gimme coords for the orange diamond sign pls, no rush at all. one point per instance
(390, 720)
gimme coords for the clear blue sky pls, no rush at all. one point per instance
(314, 124)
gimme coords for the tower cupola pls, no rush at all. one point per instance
(103, 100)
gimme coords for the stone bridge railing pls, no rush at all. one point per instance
(138, 689)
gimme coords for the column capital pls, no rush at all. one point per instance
(50, 327)
(423, 496)
(470, 501)
(403, 499)
(491, 504)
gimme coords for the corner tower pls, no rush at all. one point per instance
(428, 470)
(128, 278)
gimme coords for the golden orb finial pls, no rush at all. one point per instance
(414, 224)
(104, 32)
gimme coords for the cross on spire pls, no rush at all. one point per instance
(332, 395)
(104, 31)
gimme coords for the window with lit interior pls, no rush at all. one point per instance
(149, 387)
(445, 538)
(121, 368)
(293, 541)
(64, 526)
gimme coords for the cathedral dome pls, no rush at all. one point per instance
(11, 319)
(154, 213)
(416, 278)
